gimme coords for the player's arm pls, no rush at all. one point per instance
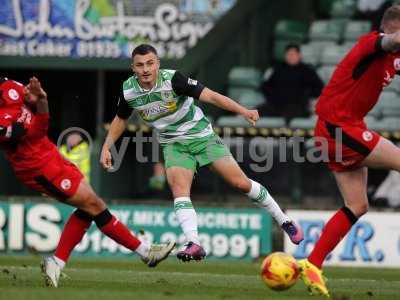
(183, 85)
(117, 128)
(226, 103)
(37, 95)
(391, 42)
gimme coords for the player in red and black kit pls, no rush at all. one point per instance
(352, 92)
(24, 120)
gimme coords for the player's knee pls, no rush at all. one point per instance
(93, 204)
(360, 209)
(178, 189)
(363, 209)
(242, 184)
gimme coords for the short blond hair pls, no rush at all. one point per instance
(390, 15)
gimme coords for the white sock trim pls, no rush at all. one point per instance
(143, 249)
(254, 190)
(182, 199)
(187, 218)
(268, 203)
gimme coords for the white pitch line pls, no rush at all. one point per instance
(191, 274)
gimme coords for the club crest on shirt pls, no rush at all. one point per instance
(13, 94)
(367, 136)
(66, 184)
(167, 96)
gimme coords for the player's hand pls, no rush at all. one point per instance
(106, 159)
(35, 88)
(251, 116)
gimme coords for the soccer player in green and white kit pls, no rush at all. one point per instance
(165, 100)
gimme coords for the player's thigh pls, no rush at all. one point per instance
(177, 155)
(385, 155)
(87, 200)
(353, 187)
(209, 150)
(179, 180)
(230, 171)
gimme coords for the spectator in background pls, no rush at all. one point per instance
(77, 151)
(289, 88)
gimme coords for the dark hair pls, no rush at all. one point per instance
(292, 46)
(144, 49)
(391, 14)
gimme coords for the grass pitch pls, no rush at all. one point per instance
(115, 279)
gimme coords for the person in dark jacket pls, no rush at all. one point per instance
(289, 88)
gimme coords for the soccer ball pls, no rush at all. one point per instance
(279, 271)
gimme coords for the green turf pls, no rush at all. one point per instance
(115, 279)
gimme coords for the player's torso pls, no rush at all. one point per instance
(171, 114)
(18, 113)
(356, 85)
(156, 103)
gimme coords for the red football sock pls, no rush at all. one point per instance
(114, 229)
(72, 234)
(333, 232)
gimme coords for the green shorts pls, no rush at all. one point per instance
(190, 154)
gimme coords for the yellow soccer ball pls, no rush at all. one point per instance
(280, 271)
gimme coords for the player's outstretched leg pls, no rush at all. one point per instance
(74, 230)
(259, 195)
(92, 208)
(228, 169)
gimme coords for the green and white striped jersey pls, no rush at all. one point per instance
(168, 107)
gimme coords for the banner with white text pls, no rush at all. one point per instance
(374, 241)
(104, 28)
(224, 232)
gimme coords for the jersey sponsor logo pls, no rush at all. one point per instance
(157, 111)
(396, 64)
(348, 162)
(7, 116)
(13, 94)
(367, 136)
(66, 184)
(192, 81)
(26, 116)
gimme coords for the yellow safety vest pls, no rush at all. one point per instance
(80, 156)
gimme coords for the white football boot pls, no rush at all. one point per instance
(157, 253)
(51, 271)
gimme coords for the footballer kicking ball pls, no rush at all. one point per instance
(280, 271)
